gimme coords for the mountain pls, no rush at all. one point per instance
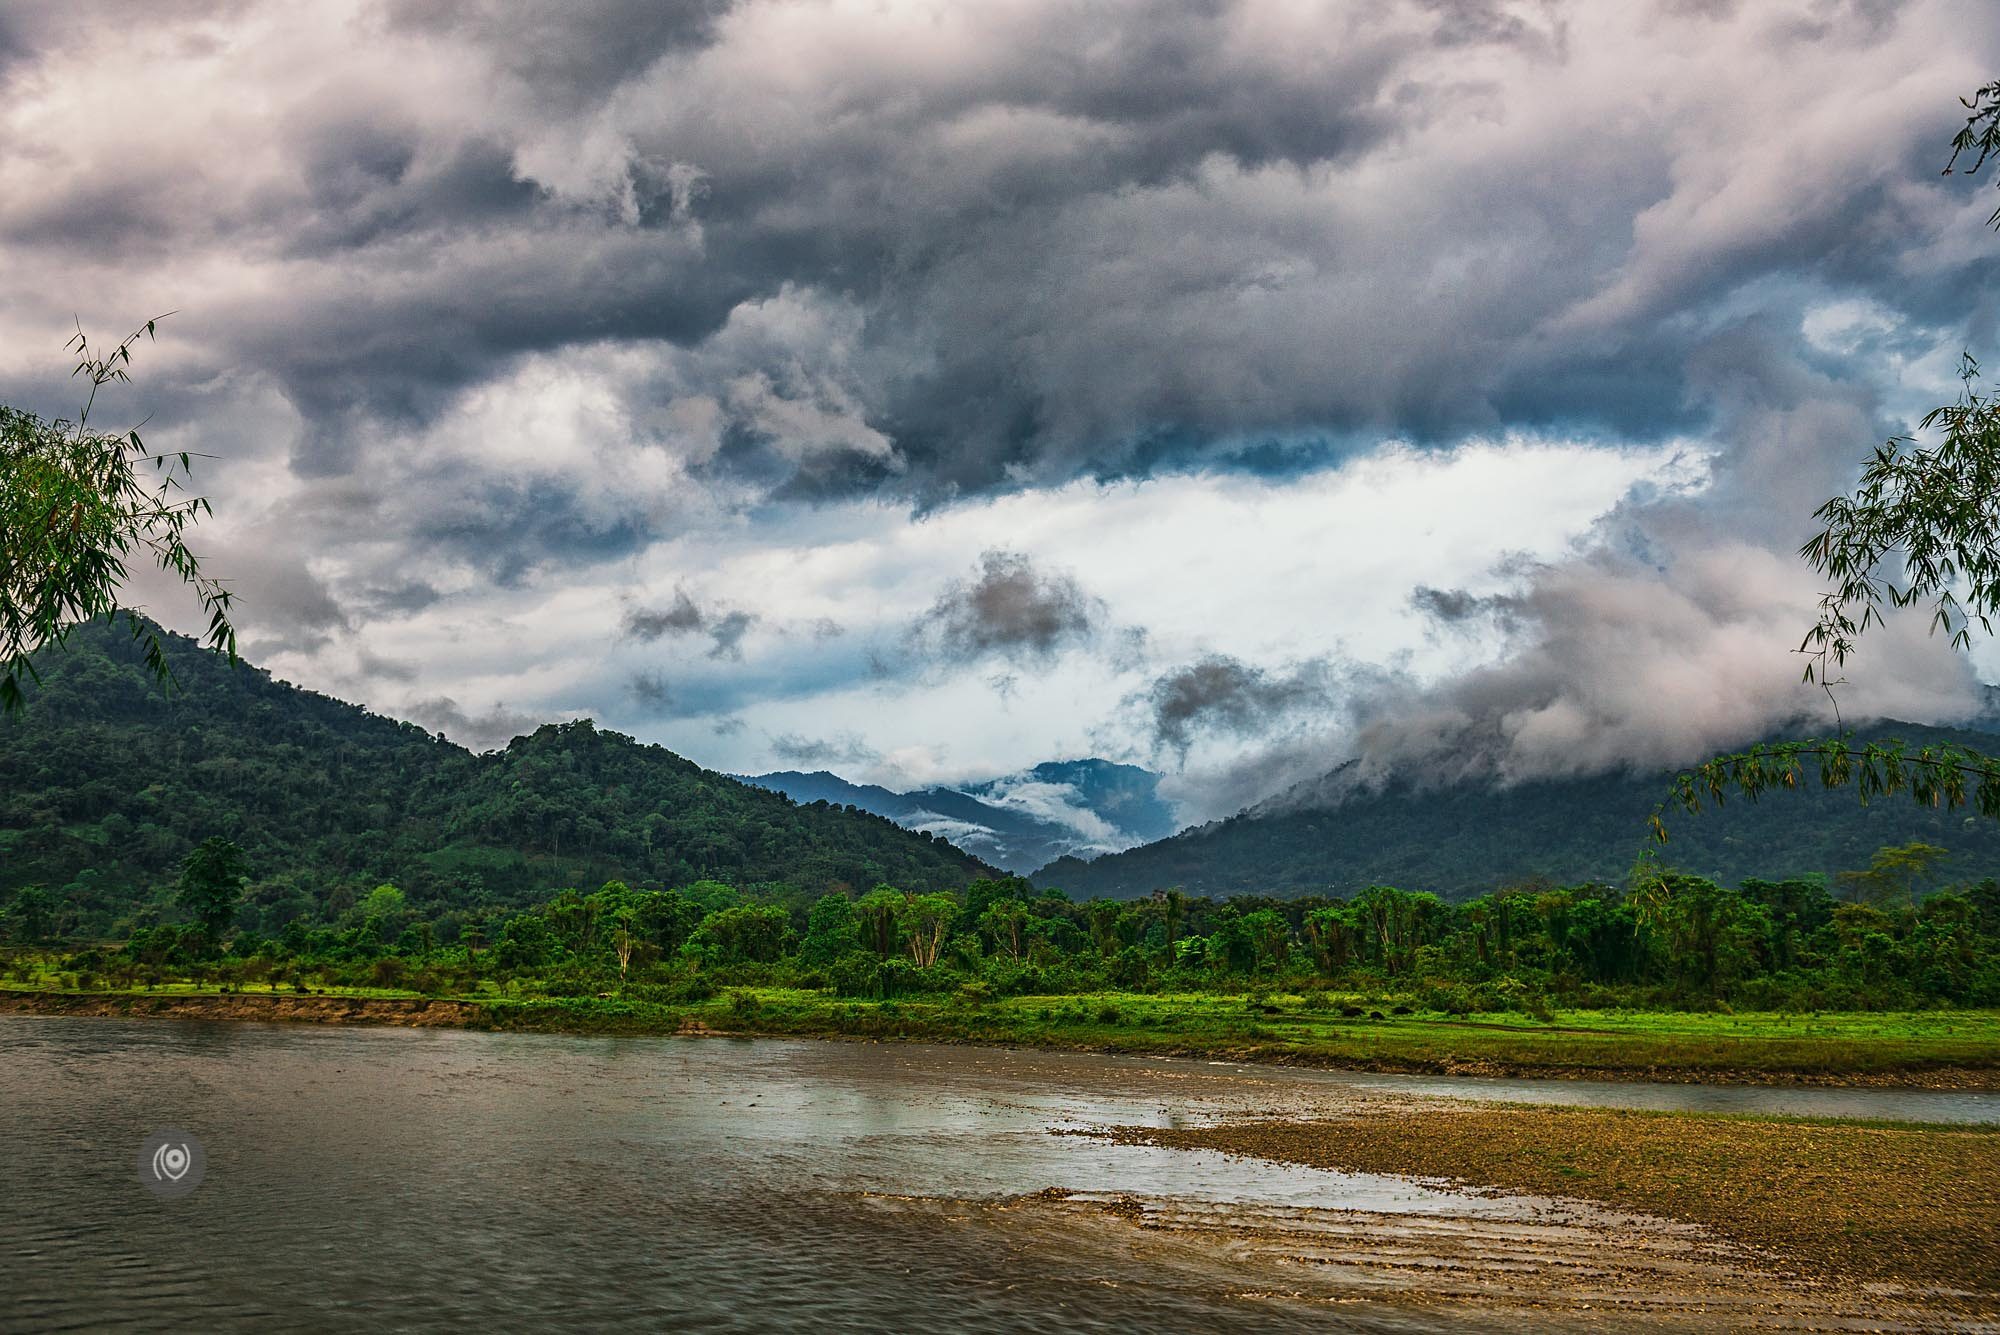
(1125, 797)
(1464, 839)
(106, 783)
(1018, 822)
(1008, 839)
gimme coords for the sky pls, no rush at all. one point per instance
(923, 391)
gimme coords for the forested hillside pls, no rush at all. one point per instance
(1465, 839)
(106, 783)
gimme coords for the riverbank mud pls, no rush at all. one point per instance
(1552, 1265)
(1916, 1209)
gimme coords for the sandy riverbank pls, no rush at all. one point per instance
(1913, 1206)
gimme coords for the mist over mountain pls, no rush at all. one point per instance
(1065, 808)
(1343, 832)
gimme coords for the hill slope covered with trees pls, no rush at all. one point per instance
(1464, 839)
(107, 783)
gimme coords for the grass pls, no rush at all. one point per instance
(1900, 1046)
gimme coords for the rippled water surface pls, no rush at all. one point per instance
(383, 1179)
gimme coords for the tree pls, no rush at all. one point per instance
(75, 508)
(1332, 931)
(1105, 916)
(879, 912)
(1272, 935)
(1894, 873)
(385, 902)
(1003, 921)
(749, 933)
(30, 916)
(1933, 508)
(666, 918)
(211, 885)
(1922, 524)
(1711, 932)
(1173, 906)
(926, 921)
(525, 942)
(1937, 507)
(831, 931)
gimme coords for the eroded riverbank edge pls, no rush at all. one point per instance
(1837, 1202)
(1562, 1264)
(622, 1020)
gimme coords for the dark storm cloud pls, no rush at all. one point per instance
(280, 606)
(1010, 610)
(383, 668)
(1446, 605)
(1456, 607)
(1071, 238)
(677, 618)
(846, 749)
(511, 527)
(650, 690)
(410, 595)
(1221, 695)
(480, 296)
(728, 631)
(574, 53)
(482, 731)
(1010, 245)
(683, 616)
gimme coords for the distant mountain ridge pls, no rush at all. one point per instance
(106, 783)
(1464, 839)
(1016, 822)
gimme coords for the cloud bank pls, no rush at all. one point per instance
(499, 325)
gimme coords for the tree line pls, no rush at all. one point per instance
(1880, 937)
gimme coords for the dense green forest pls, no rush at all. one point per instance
(1464, 839)
(1768, 945)
(107, 783)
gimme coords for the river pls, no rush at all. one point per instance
(368, 1179)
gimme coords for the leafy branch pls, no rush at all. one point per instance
(1935, 507)
(76, 508)
(1980, 137)
(1930, 511)
(1940, 775)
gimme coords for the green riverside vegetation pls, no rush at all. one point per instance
(1684, 976)
(246, 839)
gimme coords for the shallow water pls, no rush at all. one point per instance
(1891, 1105)
(374, 1178)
